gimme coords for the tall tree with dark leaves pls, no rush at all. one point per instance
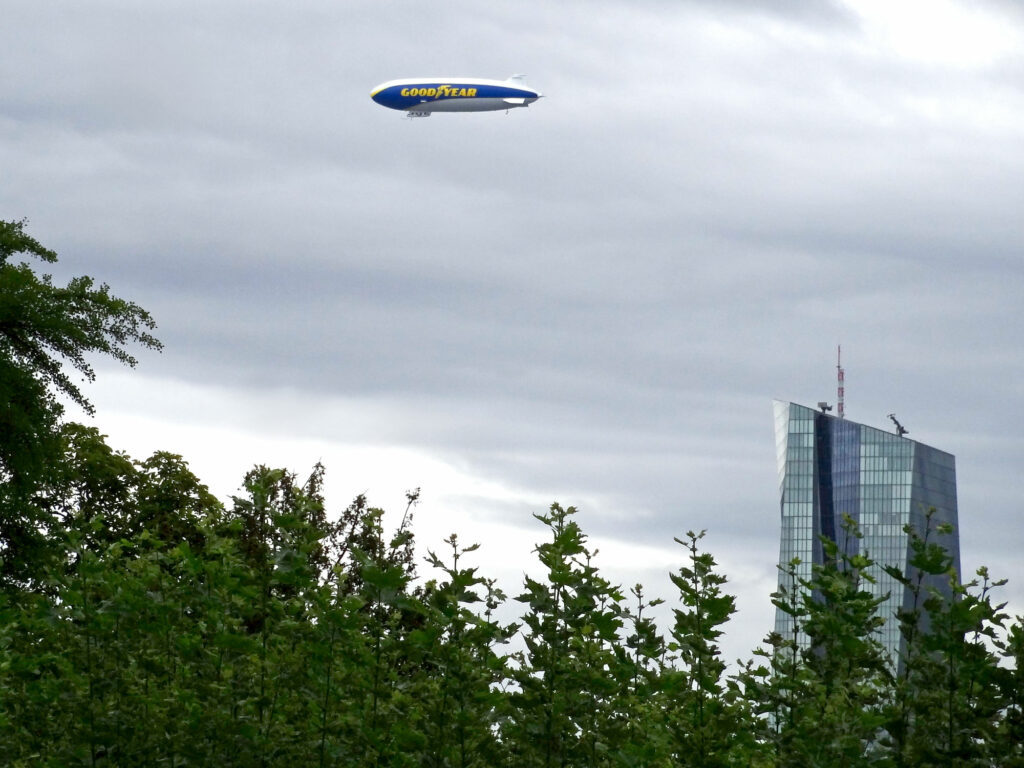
(47, 333)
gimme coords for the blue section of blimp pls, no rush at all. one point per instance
(392, 97)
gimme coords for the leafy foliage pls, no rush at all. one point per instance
(176, 631)
(704, 726)
(44, 327)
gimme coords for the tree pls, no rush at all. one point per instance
(457, 688)
(44, 328)
(567, 706)
(704, 725)
(823, 695)
(950, 696)
(1009, 748)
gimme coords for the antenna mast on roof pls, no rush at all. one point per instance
(840, 411)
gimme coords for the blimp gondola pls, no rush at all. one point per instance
(422, 96)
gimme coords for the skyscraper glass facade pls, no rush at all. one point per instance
(831, 467)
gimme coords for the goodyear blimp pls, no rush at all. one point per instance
(422, 96)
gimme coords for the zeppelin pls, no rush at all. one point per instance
(421, 96)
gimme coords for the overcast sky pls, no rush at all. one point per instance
(593, 300)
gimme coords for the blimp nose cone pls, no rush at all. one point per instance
(377, 94)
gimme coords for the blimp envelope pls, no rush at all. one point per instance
(421, 96)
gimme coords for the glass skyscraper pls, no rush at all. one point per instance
(829, 467)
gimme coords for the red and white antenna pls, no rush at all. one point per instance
(840, 411)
